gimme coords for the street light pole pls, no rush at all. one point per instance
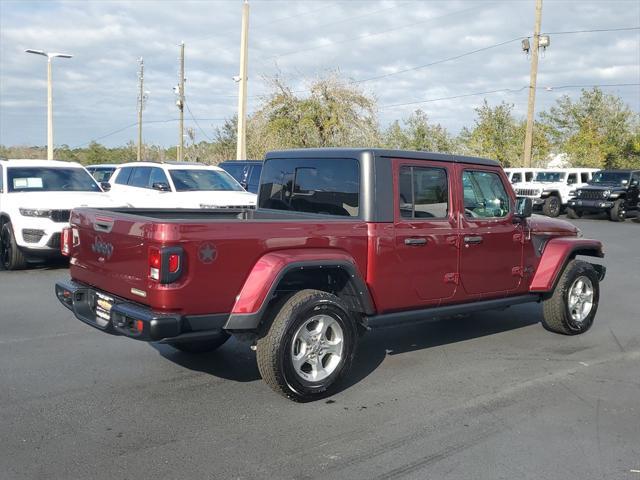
(50, 57)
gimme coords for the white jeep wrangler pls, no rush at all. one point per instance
(551, 190)
(36, 198)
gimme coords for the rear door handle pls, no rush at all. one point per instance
(473, 239)
(415, 242)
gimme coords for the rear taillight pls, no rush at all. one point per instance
(65, 241)
(166, 264)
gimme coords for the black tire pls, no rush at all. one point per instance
(557, 315)
(617, 212)
(552, 206)
(571, 213)
(11, 257)
(201, 346)
(275, 349)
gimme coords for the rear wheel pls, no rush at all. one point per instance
(551, 206)
(617, 212)
(571, 213)
(201, 346)
(571, 308)
(309, 347)
(11, 257)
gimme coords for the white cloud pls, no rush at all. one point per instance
(95, 92)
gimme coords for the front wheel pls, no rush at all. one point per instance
(11, 257)
(617, 212)
(309, 346)
(571, 308)
(551, 206)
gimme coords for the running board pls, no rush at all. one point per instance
(413, 316)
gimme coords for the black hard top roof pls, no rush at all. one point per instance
(619, 170)
(377, 152)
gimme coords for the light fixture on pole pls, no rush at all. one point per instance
(49, 56)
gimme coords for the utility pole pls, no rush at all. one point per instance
(140, 106)
(180, 103)
(241, 153)
(50, 57)
(528, 140)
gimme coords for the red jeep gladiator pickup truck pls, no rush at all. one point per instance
(341, 239)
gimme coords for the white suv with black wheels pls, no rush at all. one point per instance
(177, 185)
(551, 190)
(36, 198)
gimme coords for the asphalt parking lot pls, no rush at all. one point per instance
(489, 396)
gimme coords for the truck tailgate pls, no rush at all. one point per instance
(112, 253)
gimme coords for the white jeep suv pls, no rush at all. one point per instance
(177, 185)
(36, 198)
(552, 189)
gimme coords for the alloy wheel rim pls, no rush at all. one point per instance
(317, 348)
(580, 299)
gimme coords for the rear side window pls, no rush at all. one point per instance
(516, 178)
(123, 176)
(424, 192)
(584, 177)
(528, 176)
(484, 195)
(573, 178)
(157, 176)
(329, 186)
(140, 177)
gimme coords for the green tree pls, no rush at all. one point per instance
(497, 134)
(417, 133)
(597, 130)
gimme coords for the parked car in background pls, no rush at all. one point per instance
(36, 198)
(102, 172)
(615, 192)
(552, 189)
(521, 175)
(246, 172)
(177, 185)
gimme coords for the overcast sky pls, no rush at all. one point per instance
(95, 91)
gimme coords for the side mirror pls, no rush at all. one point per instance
(161, 186)
(106, 186)
(524, 207)
(634, 183)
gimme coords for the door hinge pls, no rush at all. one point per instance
(452, 278)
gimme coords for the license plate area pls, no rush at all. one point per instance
(101, 305)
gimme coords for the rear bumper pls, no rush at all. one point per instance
(118, 316)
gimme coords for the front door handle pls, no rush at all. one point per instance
(473, 239)
(415, 242)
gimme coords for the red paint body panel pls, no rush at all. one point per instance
(554, 258)
(266, 270)
(204, 288)
(251, 253)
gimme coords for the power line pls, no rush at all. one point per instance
(623, 29)
(448, 59)
(198, 124)
(146, 122)
(510, 90)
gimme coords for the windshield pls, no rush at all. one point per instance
(550, 176)
(615, 178)
(47, 179)
(192, 180)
